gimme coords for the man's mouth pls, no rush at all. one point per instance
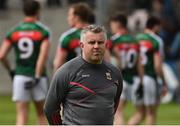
(96, 52)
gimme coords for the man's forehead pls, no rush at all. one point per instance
(95, 35)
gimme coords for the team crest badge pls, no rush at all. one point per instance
(108, 76)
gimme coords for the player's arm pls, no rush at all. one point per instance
(159, 71)
(56, 95)
(139, 92)
(60, 58)
(4, 50)
(107, 54)
(119, 91)
(42, 58)
(118, 59)
(140, 69)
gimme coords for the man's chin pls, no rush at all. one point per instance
(97, 59)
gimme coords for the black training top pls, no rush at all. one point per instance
(89, 93)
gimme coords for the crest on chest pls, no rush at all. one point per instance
(108, 76)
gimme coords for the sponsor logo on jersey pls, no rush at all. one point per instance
(85, 75)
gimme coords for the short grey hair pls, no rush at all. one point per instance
(94, 29)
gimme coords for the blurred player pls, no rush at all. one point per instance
(126, 50)
(79, 16)
(152, 62)
(30, 40)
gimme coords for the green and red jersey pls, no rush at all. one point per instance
(149, 46)
(26, 38)
(70, 41)
(127, 49)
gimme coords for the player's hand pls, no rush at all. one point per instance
(139, 92)
(32, 83)
(11, 74)
(164, 90)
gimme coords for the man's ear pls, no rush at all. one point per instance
(77, 18)
(81, 45)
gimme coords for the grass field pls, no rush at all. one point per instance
(167, 113)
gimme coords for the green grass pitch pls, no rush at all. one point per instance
(167, 113)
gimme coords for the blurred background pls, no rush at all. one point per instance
(54, 16)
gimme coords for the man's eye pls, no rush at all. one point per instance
(100, 42)
(91, 42)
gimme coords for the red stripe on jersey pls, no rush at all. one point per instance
(74, 43)
(82, 86)
(127, 46)
(34, 35)
(147, 44)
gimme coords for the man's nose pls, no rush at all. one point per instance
(96, 45)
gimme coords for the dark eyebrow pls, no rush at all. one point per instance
(101, 41)
(92, 41)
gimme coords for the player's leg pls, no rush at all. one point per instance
(125, 96)
(22, 97)
(22, 110)
(150, 100)
(139, 114)
(151, 112)
(119, 115)
(39, 110)
(39, 93)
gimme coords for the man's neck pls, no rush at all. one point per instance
(30, 19)
(91, 62)
(81, 25)
(148, 31)
(122, 31)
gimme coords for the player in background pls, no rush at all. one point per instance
(30, 40)
(79, 16)
(152, 62)
(126, 49)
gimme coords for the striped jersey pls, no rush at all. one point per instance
(149, 46)
(127, 49)
(26, 39)
(70, 41)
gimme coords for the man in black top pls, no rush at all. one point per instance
(87, 87)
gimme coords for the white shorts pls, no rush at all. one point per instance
(128, 89)
(37, 93)
(150, 90)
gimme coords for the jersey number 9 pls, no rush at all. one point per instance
(25, 46)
